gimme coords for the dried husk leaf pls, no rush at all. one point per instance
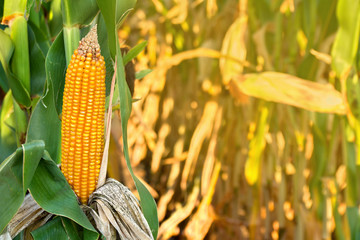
(117, 213)
(29, 216)
(5, 236)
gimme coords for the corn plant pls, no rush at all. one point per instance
(46, 121)
(247, 123)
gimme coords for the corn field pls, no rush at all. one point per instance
(243, 121)
(225, 165)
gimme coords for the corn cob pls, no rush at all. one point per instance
(82, 128)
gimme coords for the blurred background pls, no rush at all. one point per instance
(214, 132)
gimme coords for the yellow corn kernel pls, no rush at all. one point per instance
(82, 128)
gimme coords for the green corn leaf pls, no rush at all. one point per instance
(6, 47)
(55, 22)
(41, 39)
(20, 63)
(142, 73)
(147, 202)
(20, 94)
(32, 153)
(11, 184)
(134, 52)
(37, 64)
(45, 125)
(14, 7)
(3, 82)
(55, 65)
(6, 50)
(115, 13)
(7, 136)
(78, 13)
(16, 172)
(51, 191)
(70, 228)
(53, 229)
(105, 52)
(1, 9)
(20, 122)
(107, 8)
(71, 41)
(347, 38)
(354, 222)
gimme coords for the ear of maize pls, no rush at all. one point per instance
(82, 128)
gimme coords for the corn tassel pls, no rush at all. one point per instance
(82, 128)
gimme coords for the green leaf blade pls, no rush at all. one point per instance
(147, 202)
(32, 153)
(11, 184)
(347, 38)
(53, 229)
(55, 65)
(51, 191)
(133, 52)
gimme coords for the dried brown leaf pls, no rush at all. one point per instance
(30, 214)
(178, 13)
(201, 221)
(159, 148)
(202, 131)
(114, 204)
(326, 58)
(291, 90)
(210, 156)
(166, 229)
(172, 181)
(211, 8)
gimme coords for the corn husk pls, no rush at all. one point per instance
(113, 209)
(30, 216)
(117, 213)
